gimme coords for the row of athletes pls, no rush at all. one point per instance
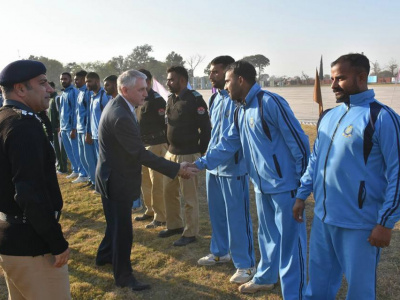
(353, 172)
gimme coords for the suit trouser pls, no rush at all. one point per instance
(188, 188)
(72, 150)
(61, 156)
(282, 243)
(116, 245)
(228, 204)
(82, 157)
(334, 251)
(152, 186)
(35, 277)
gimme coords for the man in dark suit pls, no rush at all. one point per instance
(118, 174)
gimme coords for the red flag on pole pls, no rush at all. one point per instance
(317, 93)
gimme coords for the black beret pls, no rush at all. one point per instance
(21, 71)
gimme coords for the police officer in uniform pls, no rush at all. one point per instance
(33, 250)
(188, 134)
(151, 118)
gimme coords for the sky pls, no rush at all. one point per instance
(292, 34)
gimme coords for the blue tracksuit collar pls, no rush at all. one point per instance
(83, 88)
(222, 93)
(252, 93)
(362, 98)
(68, 88)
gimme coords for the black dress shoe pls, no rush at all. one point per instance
(143, 217)
(170, 232)
(136, 286)
(184, 240)
(155, 224)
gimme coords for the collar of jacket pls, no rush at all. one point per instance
(362, 98)
(69, 88)
(17, 104)
(252, 94)
(83, 88)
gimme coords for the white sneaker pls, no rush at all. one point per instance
(211, 259)
(80, 179)
(72, 175)
(251, 287)
(243, 275)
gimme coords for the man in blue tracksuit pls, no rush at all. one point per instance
(354, 175)
(228, 189)
(99, 100)
(68, 101)
(82, 108)
(276, 151)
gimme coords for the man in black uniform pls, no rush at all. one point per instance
(151, 118)
(188, 134)
(33, 251)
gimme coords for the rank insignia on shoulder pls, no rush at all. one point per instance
(201, 110)
(161, 112)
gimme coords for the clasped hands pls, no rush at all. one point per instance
(188, 170)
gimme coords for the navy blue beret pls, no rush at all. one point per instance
(20, 71)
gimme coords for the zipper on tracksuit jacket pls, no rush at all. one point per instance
(251, 149)
(326, 160)
(220, 125)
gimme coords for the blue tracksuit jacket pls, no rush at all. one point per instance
(354, 169)
(97, 104)
(276, 161)
(68, 100)
(221, 116)
(82, 109)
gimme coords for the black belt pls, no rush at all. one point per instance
(18, 219)
(150, 137)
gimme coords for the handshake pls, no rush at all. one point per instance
(188, 170)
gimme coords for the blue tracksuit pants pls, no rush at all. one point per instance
(72, 150)
(90, 157)
(82, 157)
(228, 203)
(283, 244)
(334, 251)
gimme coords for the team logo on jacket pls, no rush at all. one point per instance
(251, 122)
(227, 114)
(348, 131)
(201, 110)
(161, 112)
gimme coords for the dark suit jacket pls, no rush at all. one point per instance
(122, 154)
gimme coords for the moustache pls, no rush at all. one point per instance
(337, 90)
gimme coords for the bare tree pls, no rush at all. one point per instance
(392, 67)
(376, 69)
(194, 61)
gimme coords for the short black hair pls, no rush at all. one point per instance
(147, 73)
(356, 60)
(224, 60)
(244, 69)
(81, 73)
(52, 84)
(111, 78)
(93, 75)
(181, 71)
(67, 73)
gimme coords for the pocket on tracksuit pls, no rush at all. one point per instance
(361, 194)
(277, 166)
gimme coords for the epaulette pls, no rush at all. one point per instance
(24, 113)
(157, 95)
(196, 93)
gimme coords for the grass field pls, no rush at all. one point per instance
(172, 271)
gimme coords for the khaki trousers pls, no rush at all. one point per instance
(185, 189)
(152, 186)
(34, 278)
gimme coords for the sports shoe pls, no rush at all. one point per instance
(80, 179)
(211, 259)
(251, 287)
(155, 224)
(72, 175)
(243, 275)
(137, 209)
(61, 173)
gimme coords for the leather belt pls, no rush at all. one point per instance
(18, 219)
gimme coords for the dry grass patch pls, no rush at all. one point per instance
(172, 271)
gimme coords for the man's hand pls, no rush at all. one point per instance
(73, 134)
(187, 170)
(61, 259)
(380, 236)
(298, 210)
(88, 139)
